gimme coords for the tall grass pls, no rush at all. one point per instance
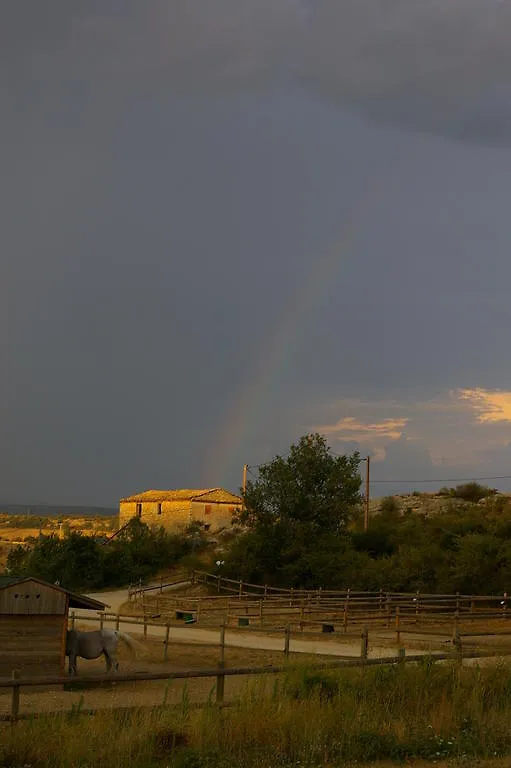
(306, 718)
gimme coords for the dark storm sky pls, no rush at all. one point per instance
(225, 224)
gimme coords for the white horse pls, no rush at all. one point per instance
(91, 645)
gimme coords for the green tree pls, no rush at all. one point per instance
(310, 487)
(481, 565)
(296, 515)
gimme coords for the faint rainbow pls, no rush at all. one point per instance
(225, 459)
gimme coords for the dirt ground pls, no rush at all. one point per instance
(152, 693)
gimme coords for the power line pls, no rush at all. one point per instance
(416, 482)
(445, 480)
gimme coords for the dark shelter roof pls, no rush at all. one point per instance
(75, 601)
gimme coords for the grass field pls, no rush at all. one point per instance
(418, 715)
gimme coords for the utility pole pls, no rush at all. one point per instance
(244, 484)
(366, 510)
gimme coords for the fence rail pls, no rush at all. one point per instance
(459, 652)
(16, 683)
(264, 590)
(448, 633)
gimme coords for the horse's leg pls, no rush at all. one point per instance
(111, 661)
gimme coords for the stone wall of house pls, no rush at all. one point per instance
(173, 515)
(177, 515)
(217, 516)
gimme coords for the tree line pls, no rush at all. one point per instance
(301, 526)
(83, 562)
(304, 528)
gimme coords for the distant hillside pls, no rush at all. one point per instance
(431, 503)
(49, 510)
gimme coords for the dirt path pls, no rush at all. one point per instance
(382, 647)
(113, 599)
(339, 647)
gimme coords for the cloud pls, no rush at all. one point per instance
(435, 66)
(462, 428)
(489, 407)
(373, 435)
(440, 67)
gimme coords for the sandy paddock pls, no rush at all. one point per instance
(151, 693)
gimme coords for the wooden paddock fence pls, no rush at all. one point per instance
(264, 606)
(219, 673)
(452, 635)
(456, 600)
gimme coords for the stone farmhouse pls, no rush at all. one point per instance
(176, 509)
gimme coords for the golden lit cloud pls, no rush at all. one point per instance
(459, 428)
(489, 406)
(350, 428)
(368, 434)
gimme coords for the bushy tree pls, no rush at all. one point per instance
(472, 492)
(296, 515)
(310, 487)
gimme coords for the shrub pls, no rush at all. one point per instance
(473, 492)
(389, 506)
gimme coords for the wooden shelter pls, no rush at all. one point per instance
(33, 625)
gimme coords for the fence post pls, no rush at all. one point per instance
(161, 585)
(261, 612)
(456, 623)
(398, 625)
(364, 643)
(145, 626)
(15, 704)
(220, 679)
(287, 637)
(198, 609)
(456, 641)
(117, 621)
(73, 620)
(387, 609)
(101, 615)
(218, 584)
(401, 655)
(166, 643)
(417, 603)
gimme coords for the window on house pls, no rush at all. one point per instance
(207, 526)
(208, 509)
(139, 510)
(159, 509)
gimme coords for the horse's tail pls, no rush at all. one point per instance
(132, 644)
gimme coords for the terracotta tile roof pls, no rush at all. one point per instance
(218, 495)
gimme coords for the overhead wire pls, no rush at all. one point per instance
(407, 481)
